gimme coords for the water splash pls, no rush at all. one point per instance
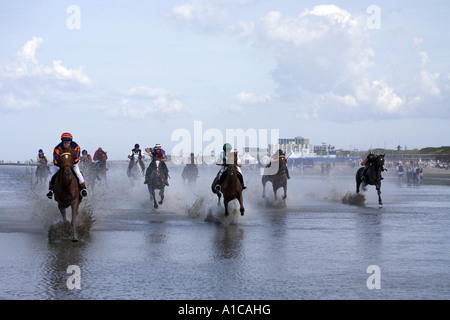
(354, 198)
(63, 230)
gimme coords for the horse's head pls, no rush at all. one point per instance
(103, 156)
(66, 160)
(380, 159)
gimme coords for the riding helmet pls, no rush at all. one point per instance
(66, 137)
(226, 147)
(157, 146)
(136, 145)
(40, 150)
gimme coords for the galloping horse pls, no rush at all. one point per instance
(66, 189)
(231, 187)
(156, 180)
(135, 171)
(277, 178)
(42, 172)
(373, 176)
(190, 173)
(100, 166)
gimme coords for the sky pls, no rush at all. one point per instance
(193, 74)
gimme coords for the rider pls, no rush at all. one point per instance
(277, 156)
(98, 154)
(367, 162)
(222, 161)
(157, 153)
(136, 152)
(42, 160)
(85, 157)
(66, 142)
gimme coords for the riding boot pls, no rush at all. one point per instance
(241, 179)
(166, 182)
(83, 191)
(287, 173)
(50, 190)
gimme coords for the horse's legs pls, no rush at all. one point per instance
(219, 195)
(285, 191)
(152, 197)
(63, 212)
(380, 202)
(241, 203)
(264, 188)
(225, 204)
(161, 194)
(74, 220)
(274, 191)
(358, 183)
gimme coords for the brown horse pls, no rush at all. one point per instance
(66, 189)
(231, 187)
(100, 166)
(276, 174)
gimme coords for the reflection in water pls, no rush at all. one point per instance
(228, 242)
(61, 255)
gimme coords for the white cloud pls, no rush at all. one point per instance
(325, 66)
(143, 102)
(200, 15)
(247, 97)
(26, 83)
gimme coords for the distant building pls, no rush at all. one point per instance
(292, 145)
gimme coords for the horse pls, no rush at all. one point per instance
(66, 189)
(278, 178)
(156, 181)
(42, 172)
(190, 173)
(372, 177)
(100, 167)
(230, 187)
(134, 170)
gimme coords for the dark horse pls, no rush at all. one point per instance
(156, 180)
(42, 172)
(190, 173)
(100, 167)
(66, 189)
(372, 177)
(231, 187)
(276, 174)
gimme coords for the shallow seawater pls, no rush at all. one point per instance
(313, 245)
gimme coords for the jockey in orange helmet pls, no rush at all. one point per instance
(66, 142)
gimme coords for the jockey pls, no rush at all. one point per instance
(222, 161)
(42, 160)
(367, 162)
(157, 153)
(85, 157)
(136, 152)
(66, 142)
(277, 156)
(99, 153)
